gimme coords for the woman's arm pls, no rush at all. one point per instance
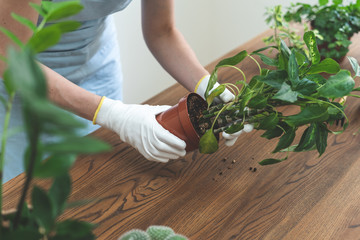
(168, 45)
(60, 91)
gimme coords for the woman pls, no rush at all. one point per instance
(84, 75)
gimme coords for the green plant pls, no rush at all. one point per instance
(39, 221)
(293, 78)
(336, 23)
(152, 233)
(284, 30)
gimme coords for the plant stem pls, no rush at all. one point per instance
(3, 144)
(29, 174)
(257, 63)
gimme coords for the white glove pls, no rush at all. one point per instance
(200, 89)
(136, 125)
(226, 96)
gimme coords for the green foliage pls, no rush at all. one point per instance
(152, 233)
(335, 21)
(41, 118)
(293, 79)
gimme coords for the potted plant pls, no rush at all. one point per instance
(294, 77)
(335, 21)
(40, 219)
(152, 233)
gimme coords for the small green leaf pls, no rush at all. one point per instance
(307, 140)
(273, 133)
(321, 134)
(59, 10)
(66, 26)
(269, 122)
(323, 2)
(258, 102)
(59, 193)
(286, 94)
(306, 87)
(55, 166)
(293, 69)
(12, 36)
(285, 140)
(216, 92)
(338, 85)
(310, 114)
(235, 128)
(270, 161)
(38, 8)
(77, 145)
(327, 65)
(208, 143)
(45, 38)
(232, 61)
(310, 41)
(355, 66)
(268, 60)
(274, 78)
(42, 208)
(24, 21)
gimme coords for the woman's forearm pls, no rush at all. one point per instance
(168, 45)
(70, 96)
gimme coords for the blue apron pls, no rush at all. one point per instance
(89, 57)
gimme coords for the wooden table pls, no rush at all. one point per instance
(217, 197)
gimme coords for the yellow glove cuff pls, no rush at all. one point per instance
(97, 110)
(198, 84)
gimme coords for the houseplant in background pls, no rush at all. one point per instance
(152, 233)
(336, 22)
(294, 77)
(39, 220)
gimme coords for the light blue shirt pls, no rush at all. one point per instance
(89, 57)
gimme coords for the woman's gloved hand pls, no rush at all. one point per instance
(201, 86)
(136, 125)
(225, 97)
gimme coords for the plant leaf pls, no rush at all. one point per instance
(321, 134)
(208, 143)
(307, 140)
(310, 114)
(270, 161)
(355, 66)
(232, 61)
(269, 122)
(286, 94)
(59, 10)
(12, 36)
(55, 166)
(310, 41)
(338, 85)
(59, 192)
(214, 93)
(327, 65)
(285, 140)
(258, 102)
(28, 23)
(77, 145)
(42, 208)
(293, 69)
(44, 38)
(306, 87)
(274, 78)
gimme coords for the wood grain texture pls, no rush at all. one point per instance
(217, 197)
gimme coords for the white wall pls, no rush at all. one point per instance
(212, 28)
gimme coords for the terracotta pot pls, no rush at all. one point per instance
(178, 121)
